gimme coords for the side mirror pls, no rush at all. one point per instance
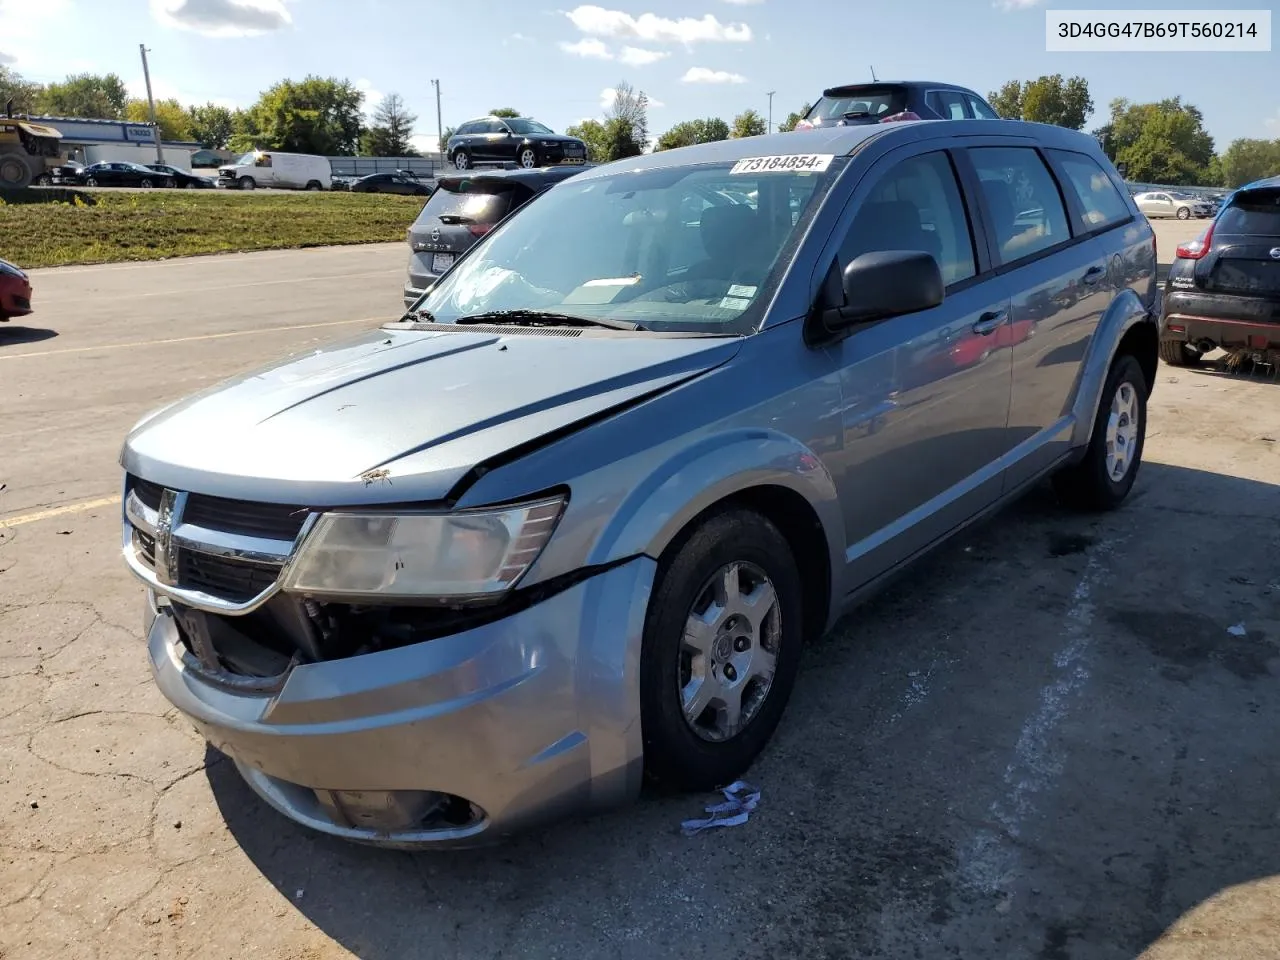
(884, 284)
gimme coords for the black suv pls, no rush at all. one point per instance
(519, 140)
(858, 103)
(1223, 289)
(463, 208)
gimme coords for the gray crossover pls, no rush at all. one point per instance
(570, 521)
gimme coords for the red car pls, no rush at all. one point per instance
(15, 292)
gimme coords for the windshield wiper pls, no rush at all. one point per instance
(453, 219)
(548, 318)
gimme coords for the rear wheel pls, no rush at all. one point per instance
(189, 185)
(720, 651)
(169, 183)
(146, 184)
(15, 171)
(1178, 354)
(1103, 479)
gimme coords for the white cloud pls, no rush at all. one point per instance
(588, 47)
(639, 57)
(599, 22)
(606, 101)
(30, 30)
(705, 75)
(425, 143)
(223, 18)
(521, 38)
(6, 59)
(372, 96)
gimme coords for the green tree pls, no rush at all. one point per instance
(171, 117)
(211, 125)
(626, 122)
(391, 130)
(789, 124)
(592, 133)
(25, 94)
(1248, 160)
(508, 112)
(690, 132)
(244, 131)
(1047, 99)
(444, 137)
(319, 115)
(1163, 142)
(748, 123)
(86, 95)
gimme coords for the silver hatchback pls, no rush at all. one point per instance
(671, 419)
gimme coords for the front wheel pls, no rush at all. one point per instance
(1103, 479)
(720, 652)
(1183, 213)
(91, 181)
(461, 160)
(146, 184)
(527, 158)
(315, 185)
(189, 185)
(248, 183)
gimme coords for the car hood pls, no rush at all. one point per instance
(402, 415)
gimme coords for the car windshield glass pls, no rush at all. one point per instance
(247, 160)
(693, 249)
(1256, 212)
(528, 126)
(872, 101)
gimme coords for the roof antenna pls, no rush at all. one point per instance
(873, 74)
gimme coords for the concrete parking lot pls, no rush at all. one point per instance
(1054, 739)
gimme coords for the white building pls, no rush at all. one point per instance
(94, 141)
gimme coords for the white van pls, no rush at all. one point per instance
(263, 168)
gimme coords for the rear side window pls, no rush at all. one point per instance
(1256, 212)
(946, 103)
(1022, 197)
(1103, 205)
(470, 206)
(916, 206)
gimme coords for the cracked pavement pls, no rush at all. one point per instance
(1043, 742)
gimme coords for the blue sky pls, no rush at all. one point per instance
(694, 58)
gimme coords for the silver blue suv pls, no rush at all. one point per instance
(669, 421)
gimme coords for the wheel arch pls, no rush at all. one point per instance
(1126, 327)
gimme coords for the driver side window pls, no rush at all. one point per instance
(916, 206)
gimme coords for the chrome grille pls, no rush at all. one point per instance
(208, 551)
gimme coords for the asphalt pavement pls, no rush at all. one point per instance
(1051, 740)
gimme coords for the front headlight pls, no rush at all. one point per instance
(441, 556)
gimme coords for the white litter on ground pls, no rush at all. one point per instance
(1237, 630)
(740, 798)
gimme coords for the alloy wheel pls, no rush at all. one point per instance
(528, 159)
(729, 651)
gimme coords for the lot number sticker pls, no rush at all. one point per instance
(788, 163)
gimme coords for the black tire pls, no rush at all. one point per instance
(531, 154)
(1178, 354)
(147, 184)
(90, 181)
(675, 756)
(247, 183)
(461, 159)
(1087, 485)
(15, 171)
(315, 185)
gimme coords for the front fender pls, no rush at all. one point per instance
(719, 466)
(1125, 312)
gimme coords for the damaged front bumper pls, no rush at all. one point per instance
(454, 741)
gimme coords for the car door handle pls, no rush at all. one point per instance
(1094, 274)
(988, 322)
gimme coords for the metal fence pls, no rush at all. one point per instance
(425, 166)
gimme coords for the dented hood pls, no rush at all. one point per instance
(401, 415)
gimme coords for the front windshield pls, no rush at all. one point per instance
(693, 249)
(247, 160)
(527, 127)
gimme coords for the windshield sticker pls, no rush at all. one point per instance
(785, 163)
(740, 290)
(734, 303)
(614, 281)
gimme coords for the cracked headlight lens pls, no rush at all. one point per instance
(468, 554)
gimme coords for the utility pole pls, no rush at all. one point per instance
(439, 122)
(151, 103)
(769, 128)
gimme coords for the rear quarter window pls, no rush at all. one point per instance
(1102, 204)
(1256, 213)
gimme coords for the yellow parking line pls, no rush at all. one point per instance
(205, 336)
(51, 512)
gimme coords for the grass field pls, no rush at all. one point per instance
(170, 223)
